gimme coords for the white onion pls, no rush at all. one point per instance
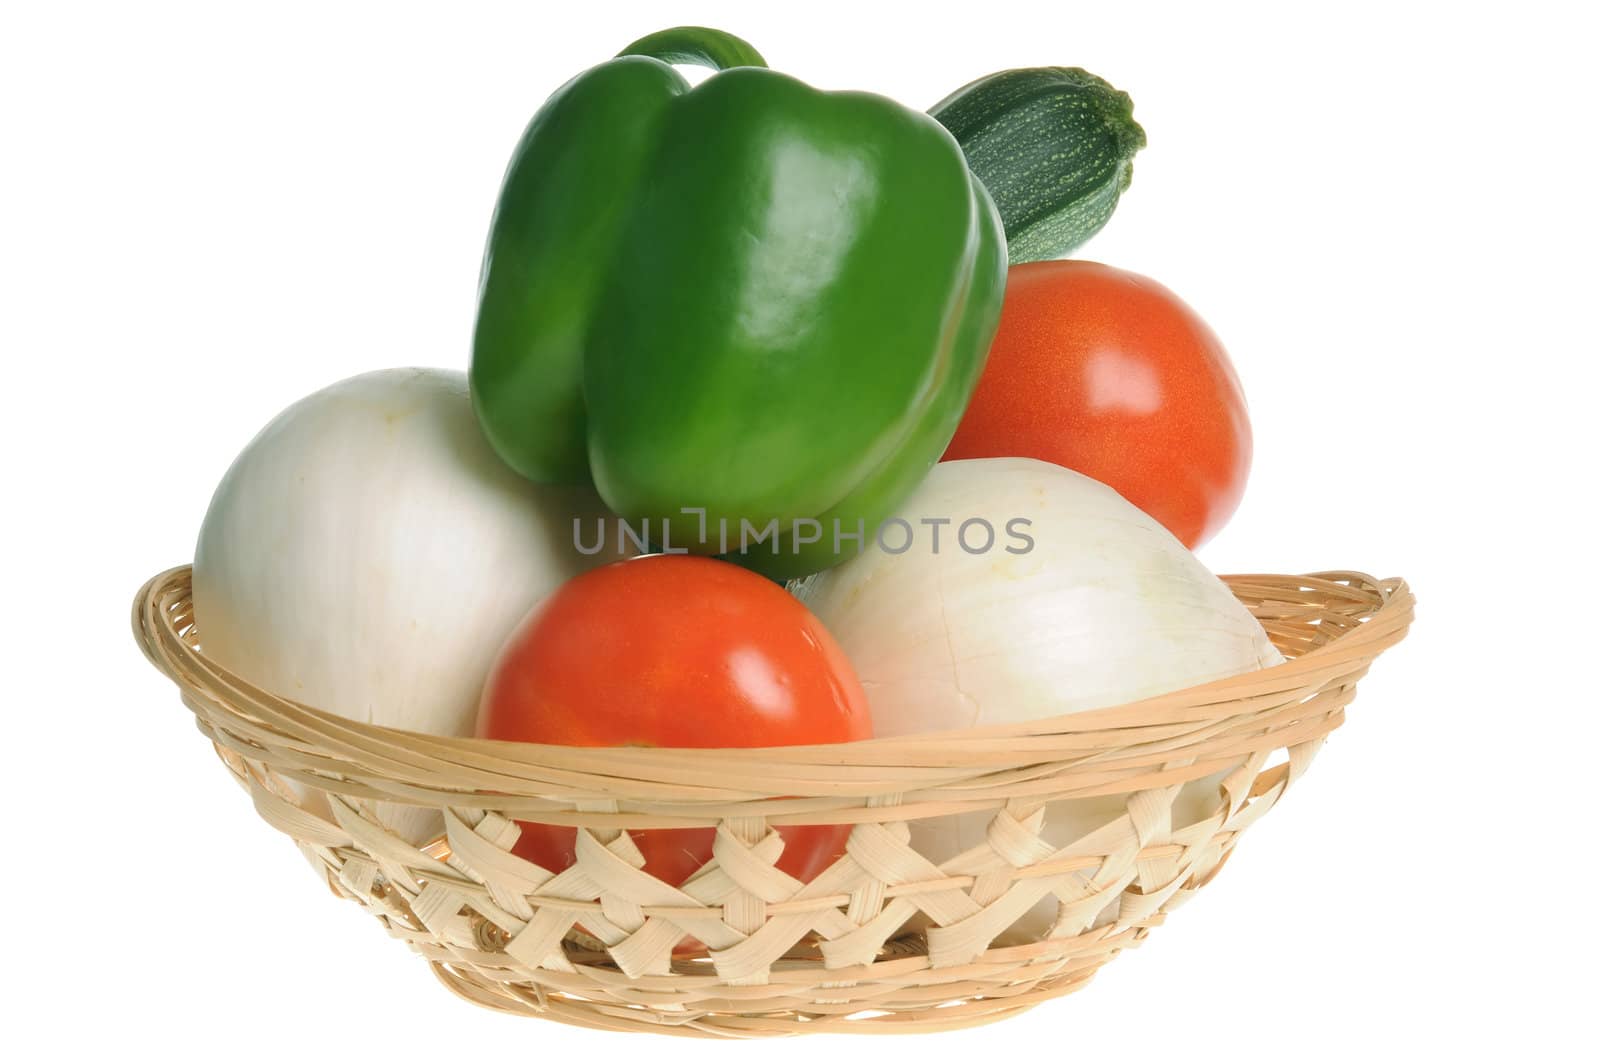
(1107, 607)
(367, 554)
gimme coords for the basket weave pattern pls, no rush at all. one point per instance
(604, 944)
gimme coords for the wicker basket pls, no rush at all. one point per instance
(602, 944)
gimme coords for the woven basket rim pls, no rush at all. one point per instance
(162, 621)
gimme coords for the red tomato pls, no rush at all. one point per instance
(674, 650)
(1108, 373)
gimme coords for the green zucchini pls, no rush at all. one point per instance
(1054, 146)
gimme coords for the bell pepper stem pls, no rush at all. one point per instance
(696, 46)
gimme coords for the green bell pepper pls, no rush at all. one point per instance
(741, 308)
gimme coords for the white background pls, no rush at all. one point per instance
(1388, 216)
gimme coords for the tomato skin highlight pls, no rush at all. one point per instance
(1109, 373)
(679, 651)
